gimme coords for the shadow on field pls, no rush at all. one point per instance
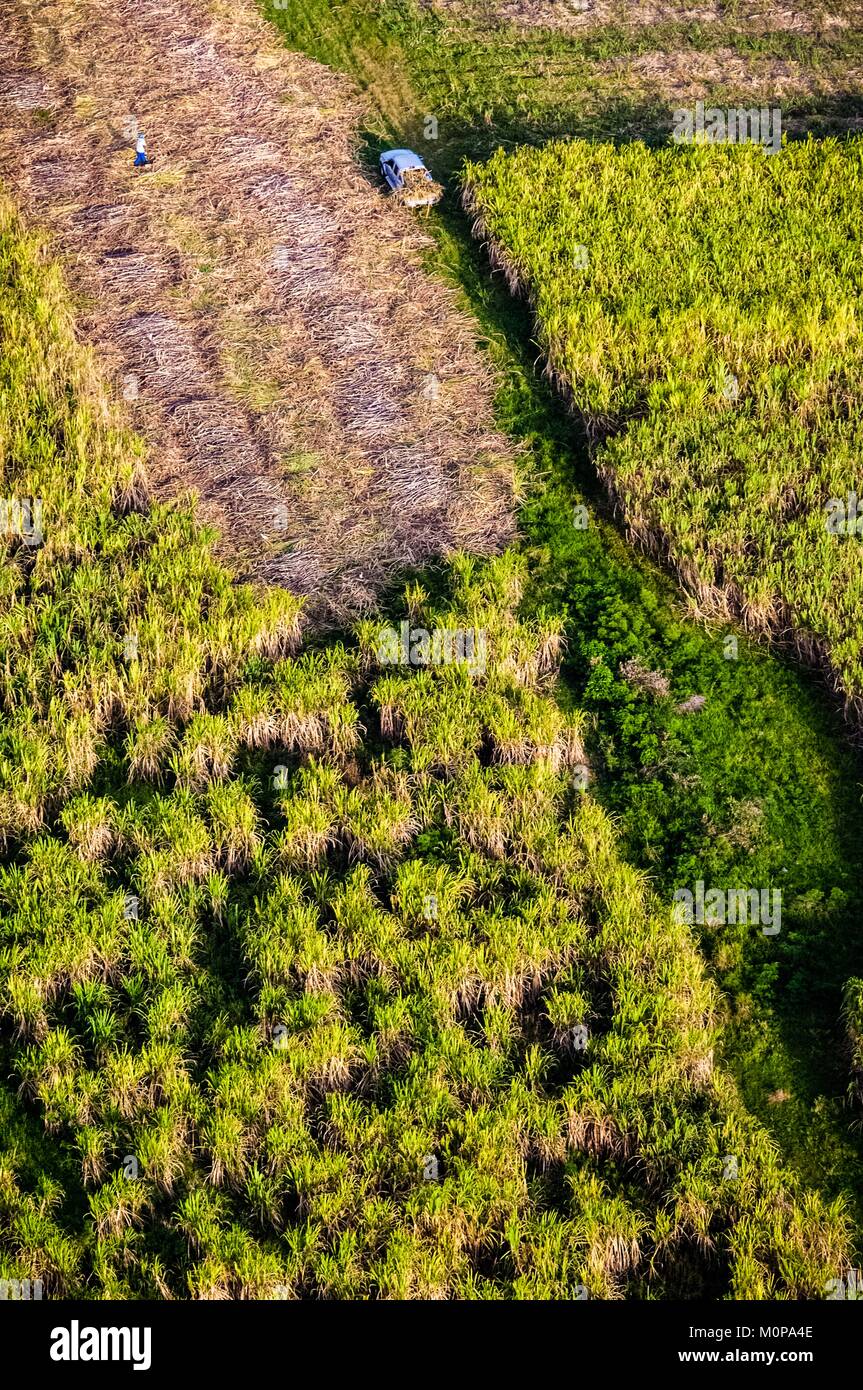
(771, 734)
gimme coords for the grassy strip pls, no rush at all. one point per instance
(510, 86)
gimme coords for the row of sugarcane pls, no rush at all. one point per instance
(700, 307)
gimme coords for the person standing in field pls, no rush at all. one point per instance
(141, 157)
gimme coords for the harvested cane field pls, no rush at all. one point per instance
(700, 308)
(265, 311)
(284, 929)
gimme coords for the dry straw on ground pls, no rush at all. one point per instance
(575, 16)
(263, 306)
(686, 75)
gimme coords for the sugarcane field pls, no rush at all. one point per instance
(431, 676)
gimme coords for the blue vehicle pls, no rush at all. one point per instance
(406, 174)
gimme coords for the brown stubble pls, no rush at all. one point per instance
(271, 305)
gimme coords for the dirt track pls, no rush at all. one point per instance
(262, 305)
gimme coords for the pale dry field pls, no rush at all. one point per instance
(263, 306)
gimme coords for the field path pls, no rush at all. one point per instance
(265, 308)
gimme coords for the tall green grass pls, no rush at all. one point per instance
(699, 306)
(322, 972)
